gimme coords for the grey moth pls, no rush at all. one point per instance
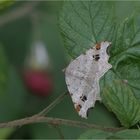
(82, 77)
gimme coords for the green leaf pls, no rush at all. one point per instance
(95, 134)
(120, 99)
(125, 54)
(128, 134)
(98, 134)
(83, 23)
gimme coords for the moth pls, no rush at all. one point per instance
(82, 77)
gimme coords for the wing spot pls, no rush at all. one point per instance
(96, 57)
(83, 98)
(71, 94)
(98, 46)
(78, 107)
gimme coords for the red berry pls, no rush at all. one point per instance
(39, 83)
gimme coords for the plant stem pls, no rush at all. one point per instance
(55, 121)
(21, 11)
(40, 117)
(52, 105)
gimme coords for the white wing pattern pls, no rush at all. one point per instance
(82, 77)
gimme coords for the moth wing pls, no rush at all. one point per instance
(91, 88)
(74, 75)
(103, 64)
(91, 94)
(81, 81)
(83, 75)
(79, 88)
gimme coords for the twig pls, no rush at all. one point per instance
(52, 105)
(55, 121)
(18, 12)
(35, 117)
(38, 118)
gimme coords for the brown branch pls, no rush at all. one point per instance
(40, 117)
(55, 121)
(35, 117)
(19, 12)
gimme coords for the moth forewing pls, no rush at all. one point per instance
(83, 74)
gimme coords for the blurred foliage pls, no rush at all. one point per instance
(6, 3)
(16, 102)
(3, 71)
(4, 132)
